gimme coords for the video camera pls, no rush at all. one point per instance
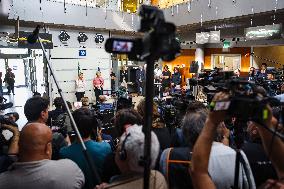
(247, 102)
(159, 39)
(173, 109)
(6, 135)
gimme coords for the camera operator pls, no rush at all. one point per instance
(166, 79)
(202, 148)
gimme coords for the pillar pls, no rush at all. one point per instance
(199, 57)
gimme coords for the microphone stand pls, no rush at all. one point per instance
(87, 155)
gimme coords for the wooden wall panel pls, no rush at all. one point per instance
(186, 57)
(272, 53)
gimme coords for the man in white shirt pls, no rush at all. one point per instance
(157, 77)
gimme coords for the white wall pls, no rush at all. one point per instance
(65, 58)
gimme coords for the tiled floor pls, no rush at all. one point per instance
(19, 100)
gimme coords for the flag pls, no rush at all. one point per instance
(79, 69)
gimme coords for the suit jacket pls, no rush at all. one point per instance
(140, 75)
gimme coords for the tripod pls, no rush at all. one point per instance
(239, 140)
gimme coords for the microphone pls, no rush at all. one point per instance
(32, 38)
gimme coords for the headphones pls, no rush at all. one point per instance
(122, 153)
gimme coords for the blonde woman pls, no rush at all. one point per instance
(80, 87)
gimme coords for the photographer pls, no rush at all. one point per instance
(202, 148)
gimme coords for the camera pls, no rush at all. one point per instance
(246, 101)
(159, 40)
(173, 109)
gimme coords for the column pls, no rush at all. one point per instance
(199, 57)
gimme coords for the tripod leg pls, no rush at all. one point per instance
(237, 169)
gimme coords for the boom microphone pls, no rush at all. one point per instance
(32, 38)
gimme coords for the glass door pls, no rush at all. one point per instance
(227, 62)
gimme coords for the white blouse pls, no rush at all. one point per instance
(80, 85)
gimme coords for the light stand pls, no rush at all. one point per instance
(85, 151)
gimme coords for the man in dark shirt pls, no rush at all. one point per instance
(52, 115)
(112, 81)
(166, 78)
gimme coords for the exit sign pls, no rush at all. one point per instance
(226, 44)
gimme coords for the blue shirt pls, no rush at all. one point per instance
(97, 150)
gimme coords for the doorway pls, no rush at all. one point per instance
(227, 62)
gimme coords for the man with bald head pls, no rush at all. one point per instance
(35, 169)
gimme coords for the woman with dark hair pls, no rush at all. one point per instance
(158, 126)
(52, 115)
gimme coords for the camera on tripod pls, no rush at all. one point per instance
(159, 39)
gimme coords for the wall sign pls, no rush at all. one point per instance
(82, 53)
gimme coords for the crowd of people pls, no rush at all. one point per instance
(201, 151)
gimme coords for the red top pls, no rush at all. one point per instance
(98, 82)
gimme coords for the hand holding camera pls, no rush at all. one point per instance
(218, 114)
